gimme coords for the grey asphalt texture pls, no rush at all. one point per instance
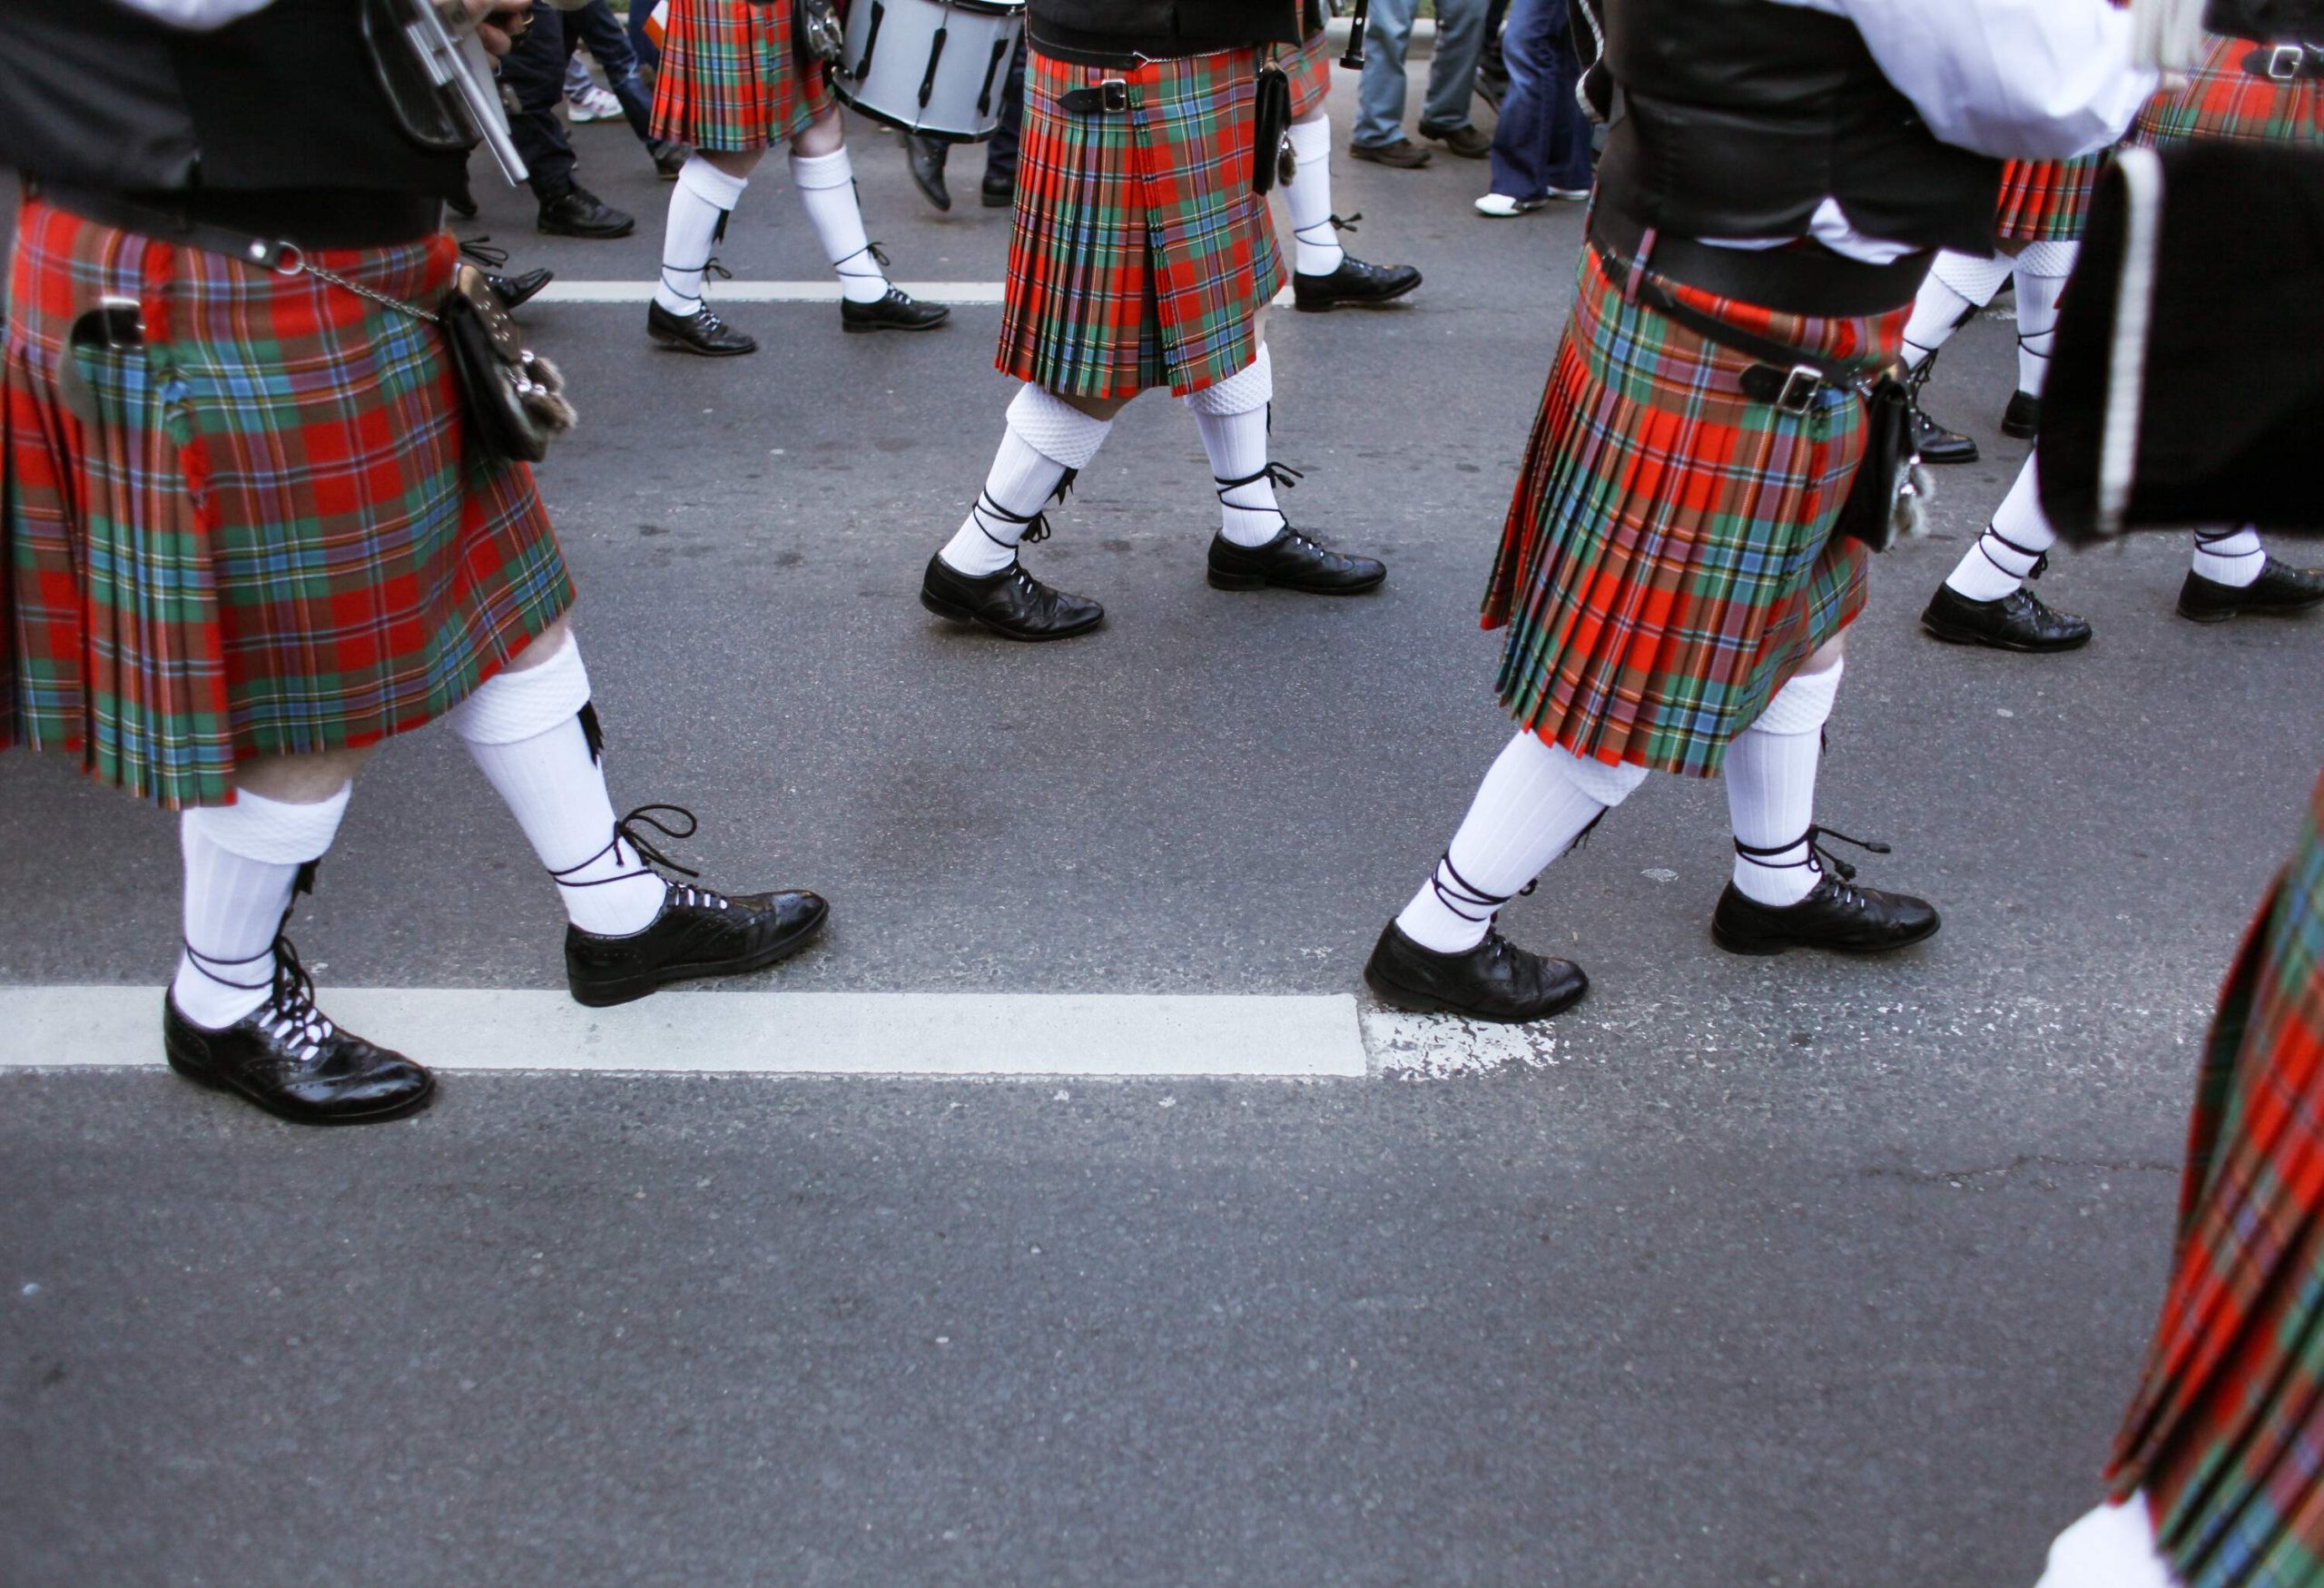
(1766, 1272)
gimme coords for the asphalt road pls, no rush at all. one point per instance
(1750, 1272)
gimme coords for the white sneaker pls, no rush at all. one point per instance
(593, 103)
(1500, 206)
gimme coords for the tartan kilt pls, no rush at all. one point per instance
(271, 539)
(731, 78)
(1668, 561)
(1310, 70)
(1140, 256)
(2226, 1433)
(2047, 201)
(2221, 100)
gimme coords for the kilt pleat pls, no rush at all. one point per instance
(1668, 561)
(2221, 99)
(2226, 1433)
(2047, 201)
(1140, 256)
(731, 78)
(1309, 71)
(270, 539)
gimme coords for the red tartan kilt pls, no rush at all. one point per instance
(269, 537)
(1311, 77)
(2221, 100)
(1140, 256)
(2046, 201)
(731, 78)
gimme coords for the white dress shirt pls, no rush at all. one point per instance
(2016, 79)
(194, 16)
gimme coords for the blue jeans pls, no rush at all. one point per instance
(1543, 139)
(595, 26)
(639, 45)
(1452, 76)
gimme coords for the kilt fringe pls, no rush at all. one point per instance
(1668, 561)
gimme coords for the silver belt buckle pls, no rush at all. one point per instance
(1800, 388)
(2285, 60)
(1113, 95)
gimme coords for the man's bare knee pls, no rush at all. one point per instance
(301, 780)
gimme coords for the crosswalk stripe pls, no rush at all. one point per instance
(754, 1032)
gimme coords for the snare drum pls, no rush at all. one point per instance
(935, 67)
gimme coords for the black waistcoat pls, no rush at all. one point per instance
(94, 96)
(1735, 118)
(1108, 31)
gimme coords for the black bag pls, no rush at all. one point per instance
(515, 399)
(2270, 20)
(1890, 491)
(1270, 125)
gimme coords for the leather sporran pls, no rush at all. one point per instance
(822, 34)
(1889, 500)
(515, 399)
(1270, 126)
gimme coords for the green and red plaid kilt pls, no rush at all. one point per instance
(1310, 70)
(731, 78)
(270, 540)
(2047, 201)
(1668, 562)
(1141, 257)
(2221, 100)
(2226, 1434)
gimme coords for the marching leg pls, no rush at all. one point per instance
(1955, 288)
(1324, 276)
(975, 576)
(2233, 576)
(2041, 272)
(1985, 599)
(826, 183)
(706, 193)
(1255, 545)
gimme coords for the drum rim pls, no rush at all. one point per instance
(887, 120)
(982, 7)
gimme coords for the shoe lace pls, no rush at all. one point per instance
(1818, 858)
(1279, 475)
(650, 855)
(480, 250)
(290, 1014)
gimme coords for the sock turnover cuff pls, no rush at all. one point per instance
(823, 171)
(2053, 261)
(269, 832)
(1249, 388)
(1055, 429)
(512, 706)
(1311, 140)
(1607, 783)
(1976, 279)
(712, 186)
(1803, 705)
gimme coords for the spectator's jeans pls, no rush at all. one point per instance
(1543, 139)
(1452, 76)
(639, 45)
(535, 72)
(595, 26)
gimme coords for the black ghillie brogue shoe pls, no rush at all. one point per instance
(1354, 283)
(513, 290)
(2279, 591)
(895, 309)
(1838, 915)
(1012, 603)
(698, 933)
(1292, 560)
(1933, 441)
(2019, 621)
(290, 1059)
(701, 333)
(1495, 981)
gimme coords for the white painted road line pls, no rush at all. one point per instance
(761, 1033)
(969, 293)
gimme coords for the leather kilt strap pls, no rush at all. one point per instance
(263, 228)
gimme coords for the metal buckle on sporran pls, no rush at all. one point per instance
(515, 399)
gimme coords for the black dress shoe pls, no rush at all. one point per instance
(2019, 621)
(899, 311)
(287, 1056)
(2279, 591)
(924, 158)
(1355, 283)
(1012, 603)
(513, 290)
(1292, 561)
(1838, 915)
(1495, 981)
(998, 191)
(2022, 420)
(698, 932)
(578, 213)
(1935, 444)
(669, 156)
(699, 333)
(1467, 141)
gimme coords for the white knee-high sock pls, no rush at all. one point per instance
(1316, 244)
(242, 862)
(1956, 288)
(2041, 271)
(522, 730)
(1232, 417)
(2112, 1546)
(1534, 801)
(2230, 556)
(1047, 439)
(827, 188)
(699, 206)
(1770, 776)
(2004, 555)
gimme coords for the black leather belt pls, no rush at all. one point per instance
(262, 228)
(2292, 63)
(1110, 98)
(1791, 280)
(1789, 379)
